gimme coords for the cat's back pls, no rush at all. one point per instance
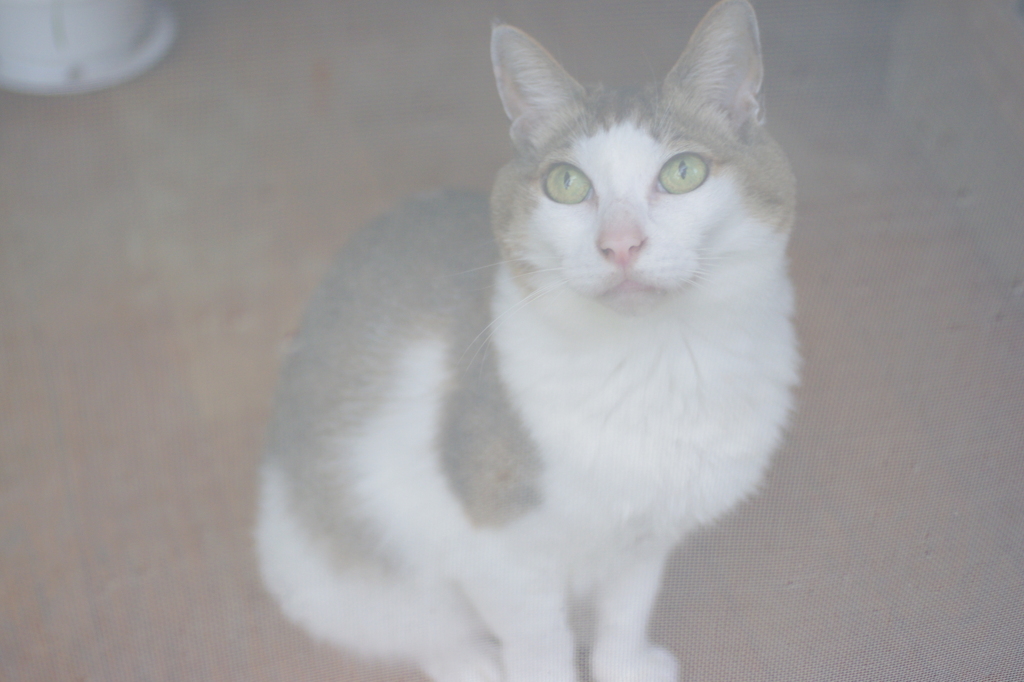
(413, 273)
(417, 256)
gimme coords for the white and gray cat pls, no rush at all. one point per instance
(493, 413)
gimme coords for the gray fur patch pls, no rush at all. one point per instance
(424, 270)
(491, 463)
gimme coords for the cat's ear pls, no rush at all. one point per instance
(722, 64)
(533, 87)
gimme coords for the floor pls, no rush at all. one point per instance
(158, 240)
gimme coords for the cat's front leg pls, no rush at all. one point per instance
(622, 652)
(527, 612)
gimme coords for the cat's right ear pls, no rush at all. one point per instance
(533, 87)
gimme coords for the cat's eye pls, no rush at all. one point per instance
(566, 184)
(683, 173)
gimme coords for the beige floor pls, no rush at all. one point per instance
(157, 242)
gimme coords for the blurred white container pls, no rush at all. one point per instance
(53, 47)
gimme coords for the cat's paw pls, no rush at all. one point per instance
(472, 664)
(649, 664)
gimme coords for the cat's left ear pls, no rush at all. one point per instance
(722, 64)
(534, 88)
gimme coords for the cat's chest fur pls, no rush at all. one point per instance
(656, 424)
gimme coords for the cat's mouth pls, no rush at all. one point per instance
(631, 297)
(629, 287)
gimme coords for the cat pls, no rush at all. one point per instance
(495, 411)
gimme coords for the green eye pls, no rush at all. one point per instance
(566, 184)
(683, 173)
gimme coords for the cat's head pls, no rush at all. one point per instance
(632, 197)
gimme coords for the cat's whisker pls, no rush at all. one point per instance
(508, 261)
(700, 278)
(496, 264)
(478, 269)
(700, 281)
(494, 324)
(542, 271)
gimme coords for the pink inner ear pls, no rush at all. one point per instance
(522, 127)
(747, 105)
(508, 90)
(741, 78)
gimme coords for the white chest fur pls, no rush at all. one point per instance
(658, 422)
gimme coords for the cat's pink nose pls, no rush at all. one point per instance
(621, 245)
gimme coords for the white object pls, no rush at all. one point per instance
(57, 47)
